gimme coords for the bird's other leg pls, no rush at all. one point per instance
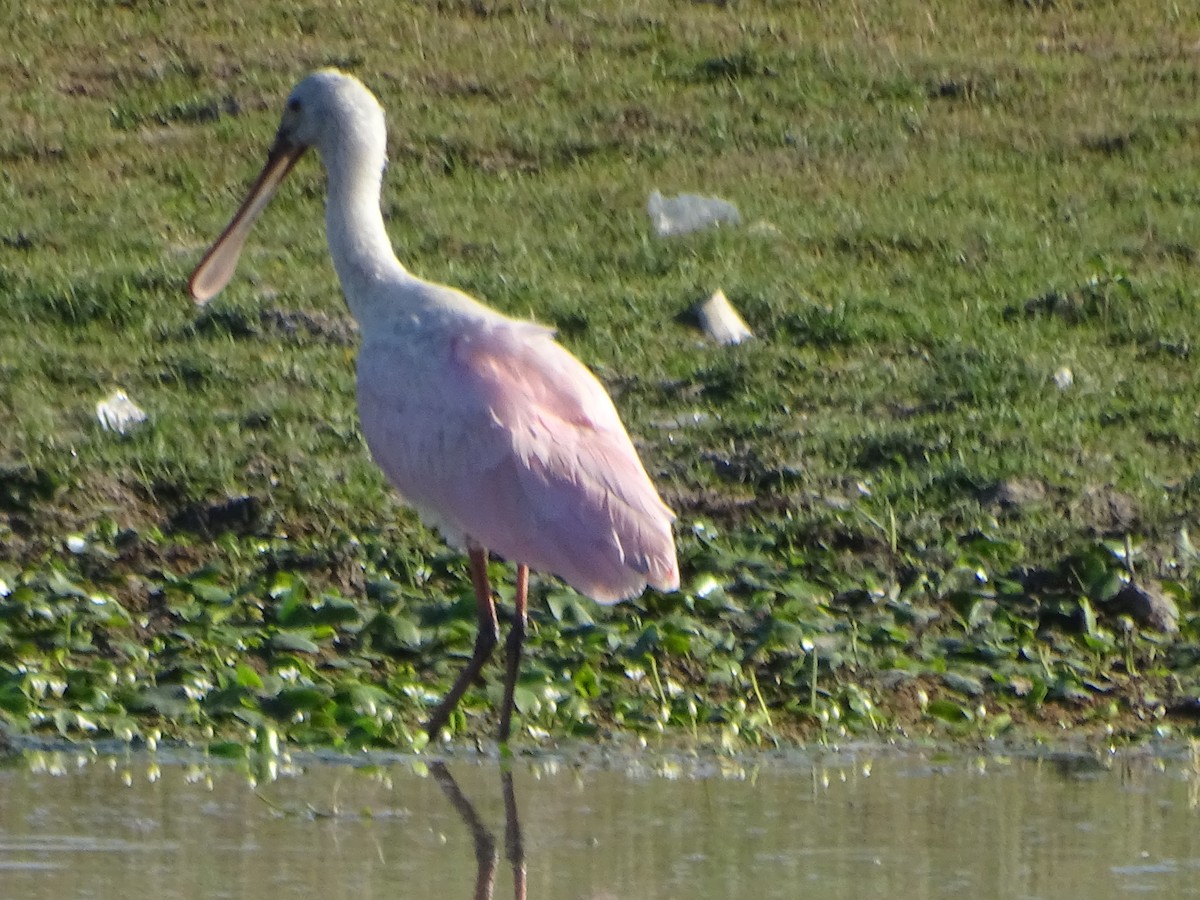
(485, 642)
(513, 844)
(516, 638)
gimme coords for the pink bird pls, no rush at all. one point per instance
(495, 434)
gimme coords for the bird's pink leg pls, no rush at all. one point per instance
(516, 637)
(485, 642)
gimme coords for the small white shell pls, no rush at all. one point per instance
(118, 413)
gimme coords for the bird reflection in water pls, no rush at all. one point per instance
(486, 855)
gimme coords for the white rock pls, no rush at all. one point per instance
(721, 321)
(684, 213)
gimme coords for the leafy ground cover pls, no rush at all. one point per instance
(946, 490)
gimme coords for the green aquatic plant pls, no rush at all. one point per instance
(945, 491)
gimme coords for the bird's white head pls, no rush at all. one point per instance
(329, 110)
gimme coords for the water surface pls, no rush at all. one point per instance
(862, 824)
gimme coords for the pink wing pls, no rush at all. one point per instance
(516, 446)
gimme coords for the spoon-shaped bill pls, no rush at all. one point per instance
(219, 262)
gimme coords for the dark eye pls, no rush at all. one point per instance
(294, 105)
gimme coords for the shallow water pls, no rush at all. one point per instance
(858, 824)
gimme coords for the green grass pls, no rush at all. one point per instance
(942, 207)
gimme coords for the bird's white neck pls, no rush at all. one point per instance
(358, 240)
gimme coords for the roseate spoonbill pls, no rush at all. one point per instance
(495, 434)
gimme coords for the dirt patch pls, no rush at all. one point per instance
(301, 324)
(237, 515)
(1014, 494)
(1105, 511)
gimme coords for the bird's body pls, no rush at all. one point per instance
(499, 437)
(490, 429)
